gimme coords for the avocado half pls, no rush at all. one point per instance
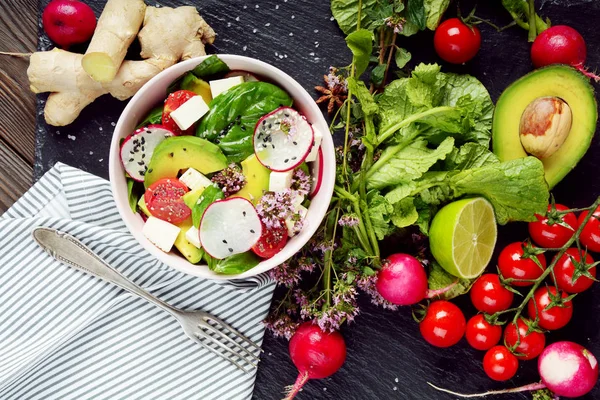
(557, 81)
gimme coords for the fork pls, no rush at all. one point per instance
(211, 332)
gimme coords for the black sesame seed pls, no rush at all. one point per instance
(140, 163)
(230, 250)
(224, 241)
(252, 231)
(143, 140)
(131, 160)
(184, 149)
(150, 170)
(295, 143)
(171, 155)
(244, 213)
(293, 158)
(273, 145)
(142, 172)
(287, 160)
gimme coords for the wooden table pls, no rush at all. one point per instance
(18, 33)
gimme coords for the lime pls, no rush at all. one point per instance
(462, 237)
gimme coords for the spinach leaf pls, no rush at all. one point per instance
(402, 57)
(361, 44)
(416, 13)
(212, 67)
(345, 13)
(154, 117)
(134, 192)
(208, 196)
(210, 261)
(233, 115)
(236, 264)
(378, 74)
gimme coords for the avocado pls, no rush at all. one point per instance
(557, 81)
(200, 87)
(257, 179)
(191, 198)
(179, 152)
(189, 251)
(142, 205)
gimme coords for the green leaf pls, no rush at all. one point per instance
(378, 74)
(210, 261)
(361, 44)
(154, 117)
(402, 57)
(236, 264)
(211, 67)
(415, 13)
(470, 155)
(345, 13)
(440, 279)
(380, 211)
(135, 191)
(434, 10)
(208, 196)
(405, 213)
(360, 91)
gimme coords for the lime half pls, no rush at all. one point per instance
(462, 237)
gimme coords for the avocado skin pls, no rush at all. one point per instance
(559, 81)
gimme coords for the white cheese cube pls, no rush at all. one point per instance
(290, 222)
(279, 181)
(314, 151)
(161, 233)
(222, 85)
(189, 112)
(194, 179)
(193, 237)
(297, 200)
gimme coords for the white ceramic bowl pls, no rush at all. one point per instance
(153, 93)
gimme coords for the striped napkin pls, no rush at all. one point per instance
(67, 335)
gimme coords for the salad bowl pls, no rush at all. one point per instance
(154, 92)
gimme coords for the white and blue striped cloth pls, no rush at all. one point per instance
(67, 335)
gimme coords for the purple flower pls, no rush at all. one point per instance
(396, 23)
(367, 285)
(301, 182)
(281, 326)
(274, 207)
(231, 180)
(348, 220)
(285, 275)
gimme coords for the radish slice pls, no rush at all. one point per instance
(248, 76)
(137, 149)
(317, 173)
(229, 227)
(282, 139)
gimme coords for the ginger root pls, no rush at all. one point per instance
(116, 30)
(168, 35)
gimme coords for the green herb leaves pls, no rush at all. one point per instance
(361, 44)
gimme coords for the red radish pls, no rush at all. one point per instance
(316, 354)
(248, 76)
(68, 22)
(561, 44)
(137, 149)
(403, 281)
(317, 173)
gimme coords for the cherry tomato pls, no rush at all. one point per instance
(511, 264)
(455, 42)
(565, 269)
(271, 241)
(173, 102)
(555, 317)
(500, 364)
(489, 296)
(482, 335)
(530, 345)
(550, 234)
(164, 200)
(443, 325)
(590, 236)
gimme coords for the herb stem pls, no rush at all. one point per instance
(383, 136)
(329, 261)
(532, 23)
(390, 55)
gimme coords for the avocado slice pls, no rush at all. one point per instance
(200, 87)
(191, 198)
(142, 205)
(179, 152)
(559, 81)
(257, 179)
(189, 251)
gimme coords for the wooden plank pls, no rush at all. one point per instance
(15, 176)
(18, 33)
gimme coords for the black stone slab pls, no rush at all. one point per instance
(386, 357)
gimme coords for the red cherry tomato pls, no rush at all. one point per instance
(456, 42)
(482, 335)
(590, 236)
(500, 364)
(489, 296)
(271, 242)
(173, 102)
(511, 264)
(443, 325)
(550, 234)
(553, 318)
(164, 200)
(530, 346)
(565, 269)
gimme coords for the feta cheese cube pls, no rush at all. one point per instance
(194, 179)
(279, 181)
(297, 200)
(314, 151)
(298, 216)
(192, 235)
(222, 85)
(189, 112)
(161, 233)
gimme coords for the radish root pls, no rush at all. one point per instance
(22, 55)
(527, 388)
(433, 293)
(292, 391)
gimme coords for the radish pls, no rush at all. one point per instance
(137, 149)
(316, 354)
(566, 368)
(282, 139)
(317, 173)
(68, 22)
(403, 281)
(229, 227)
(561, 44)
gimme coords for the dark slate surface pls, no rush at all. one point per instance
(386, 357)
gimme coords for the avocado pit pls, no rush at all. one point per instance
(545, 125)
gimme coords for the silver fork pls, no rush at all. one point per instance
(211, 332)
